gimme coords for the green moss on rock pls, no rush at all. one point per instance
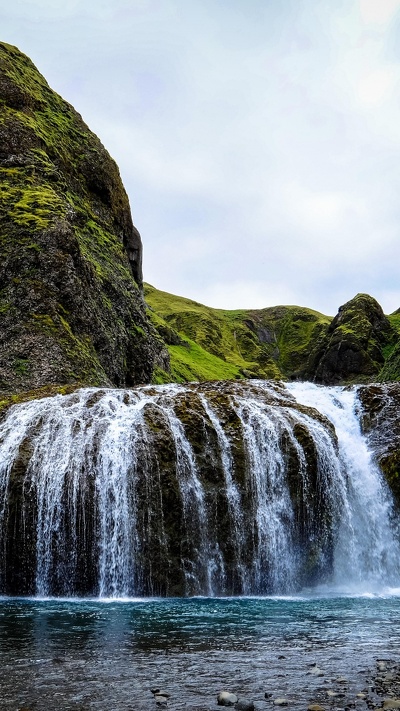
(353, 348)
(70, 257)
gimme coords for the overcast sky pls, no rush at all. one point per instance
(258, 140)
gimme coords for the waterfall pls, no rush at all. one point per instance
(211, 489)
(367, 552)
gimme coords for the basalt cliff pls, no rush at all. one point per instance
(71, 303)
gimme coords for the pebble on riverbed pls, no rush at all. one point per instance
(280, 701)
(391, 704)
(244, 705)
(160, 700)
(160, 697)
(225, 698)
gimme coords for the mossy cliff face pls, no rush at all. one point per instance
(353, 347)
(71, 307)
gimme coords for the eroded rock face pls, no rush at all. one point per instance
(352, 349)
(71, 305)
(381, 422)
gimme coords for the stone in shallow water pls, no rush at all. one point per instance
(391, 704)
(160, 700)
(244, 705)
(316, 671)
(315, 707)
(225, 698)
(280, 701)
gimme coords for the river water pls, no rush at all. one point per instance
(107, 655)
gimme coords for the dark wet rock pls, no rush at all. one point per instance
(381, 423)
(244, 705)
(226, 698)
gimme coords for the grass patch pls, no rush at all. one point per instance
(268, 343)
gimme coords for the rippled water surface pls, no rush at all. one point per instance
(57, 654)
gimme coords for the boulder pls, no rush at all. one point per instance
(226, 698)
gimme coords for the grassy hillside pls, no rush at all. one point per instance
(359, 345)
(217, 344)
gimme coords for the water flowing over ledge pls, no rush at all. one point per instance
(203, 489)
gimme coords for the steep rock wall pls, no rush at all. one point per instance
(71, 305)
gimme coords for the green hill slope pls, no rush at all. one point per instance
(359, 345)
(216, 344)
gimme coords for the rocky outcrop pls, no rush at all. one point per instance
(352, 349)
(71, 305)
(381, 422)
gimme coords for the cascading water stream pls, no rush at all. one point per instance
(230, 488)
(367, 551)
(232, 491)
(207, 560)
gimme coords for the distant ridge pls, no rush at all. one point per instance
(359, 345)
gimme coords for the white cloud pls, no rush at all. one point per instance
(377, 86)
(378, 12)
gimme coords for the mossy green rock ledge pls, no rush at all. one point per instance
(71, 304)
(354, 346)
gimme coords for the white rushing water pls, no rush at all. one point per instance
(367, 553)
(114, 493)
